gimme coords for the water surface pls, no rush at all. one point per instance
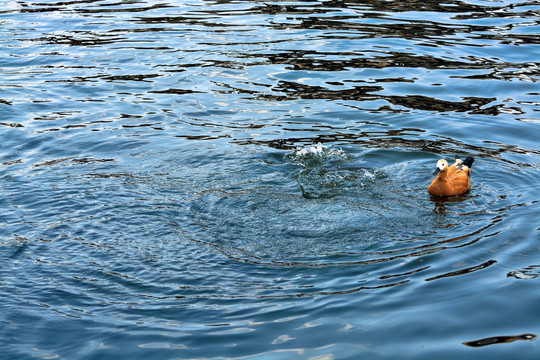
(233, 179)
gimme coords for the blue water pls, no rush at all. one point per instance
(234, 179)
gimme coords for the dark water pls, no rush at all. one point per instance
(247, 179)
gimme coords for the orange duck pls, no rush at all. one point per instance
(452, 180)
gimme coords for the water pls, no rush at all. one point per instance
(233, 179)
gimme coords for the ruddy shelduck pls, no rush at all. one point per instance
(452, 180)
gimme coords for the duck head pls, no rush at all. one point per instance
(442, 165)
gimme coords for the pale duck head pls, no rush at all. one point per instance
(441, 166)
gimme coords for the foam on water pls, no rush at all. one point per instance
(327, 171)
(315, 154)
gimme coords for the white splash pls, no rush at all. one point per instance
(316, 149)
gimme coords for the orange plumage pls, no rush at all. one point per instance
(453, 180)
(452, 168)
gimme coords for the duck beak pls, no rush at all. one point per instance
(437, 170)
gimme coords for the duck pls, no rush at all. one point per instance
(452, 180)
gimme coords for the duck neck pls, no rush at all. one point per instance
(442, 175)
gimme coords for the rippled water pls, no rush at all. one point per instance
(234, 179)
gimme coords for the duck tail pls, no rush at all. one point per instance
(468, 162)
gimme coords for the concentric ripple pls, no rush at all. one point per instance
(331, 210)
